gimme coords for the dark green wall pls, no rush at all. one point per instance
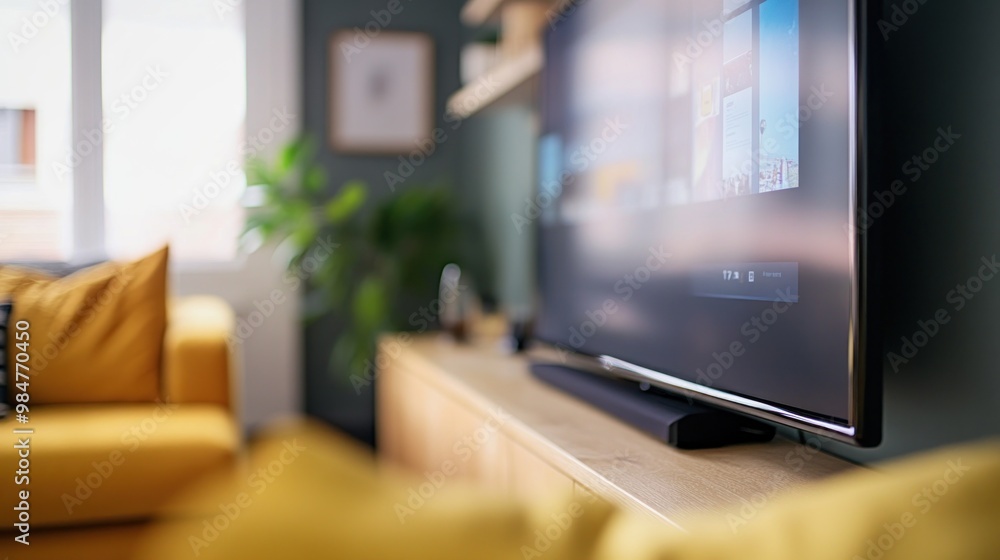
(330, 396)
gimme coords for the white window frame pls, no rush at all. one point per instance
(272, 31)
(86, 25)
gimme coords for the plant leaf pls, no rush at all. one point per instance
(347, 202)
(257, 172)
(288, 155)
(370, 307)
(314, 180)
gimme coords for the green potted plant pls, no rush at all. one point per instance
(388, 253)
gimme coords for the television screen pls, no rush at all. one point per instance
(696, 203)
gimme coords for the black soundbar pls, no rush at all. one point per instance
(674, 421)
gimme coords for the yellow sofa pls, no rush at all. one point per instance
(327, 498)
(106, 467)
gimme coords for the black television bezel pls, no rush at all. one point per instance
(864, 426)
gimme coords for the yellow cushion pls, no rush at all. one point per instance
(93, 463)
(96, 335)
(325, 499)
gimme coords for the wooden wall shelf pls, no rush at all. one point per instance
(513, 80)
(480, 12)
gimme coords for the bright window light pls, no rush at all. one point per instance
(174, 89)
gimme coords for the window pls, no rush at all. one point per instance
(173, 105)
(174, 91)
(35, 124)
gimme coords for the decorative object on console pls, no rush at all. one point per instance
(458, 307)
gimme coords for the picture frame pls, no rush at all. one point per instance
(381, 91)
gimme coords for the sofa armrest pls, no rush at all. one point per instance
(198, 366)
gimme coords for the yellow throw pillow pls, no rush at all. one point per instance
(96, 335)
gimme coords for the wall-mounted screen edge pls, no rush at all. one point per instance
(854, 418)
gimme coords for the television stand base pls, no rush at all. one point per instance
(674, 421)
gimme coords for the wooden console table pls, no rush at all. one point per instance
(476, 412)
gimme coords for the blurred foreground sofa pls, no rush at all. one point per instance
(129, 401)
(312, 494)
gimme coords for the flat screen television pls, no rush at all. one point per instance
(702, 220)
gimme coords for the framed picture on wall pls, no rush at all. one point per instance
(381, 91)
